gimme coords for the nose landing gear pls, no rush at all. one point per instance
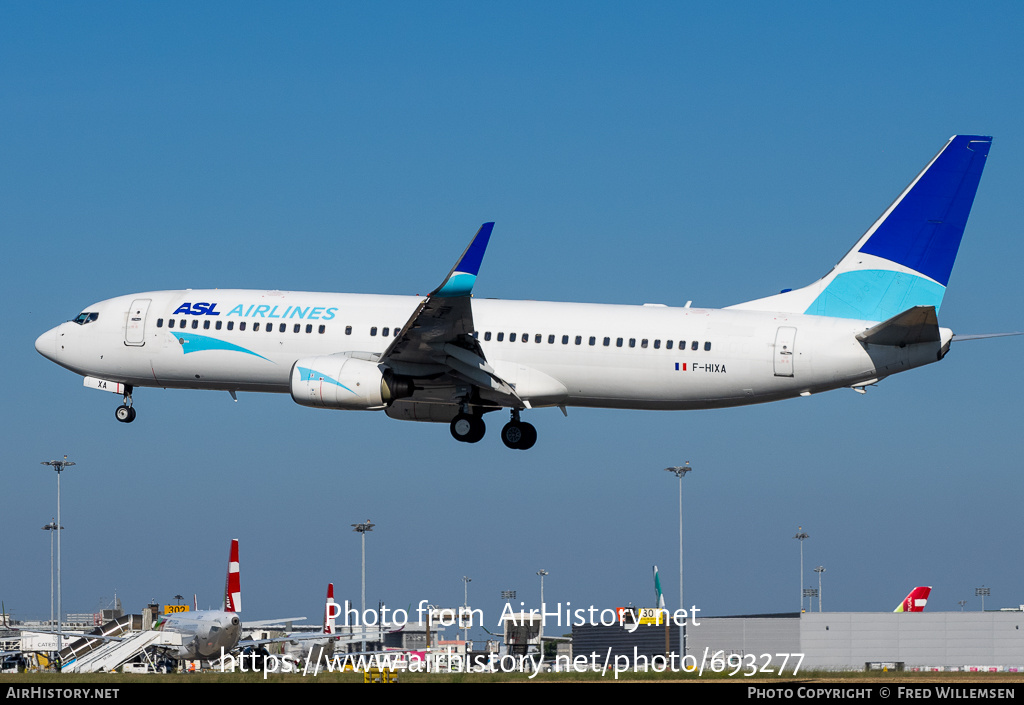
(126, 412)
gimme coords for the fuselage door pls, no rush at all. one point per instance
(135, 326)
(785, 340)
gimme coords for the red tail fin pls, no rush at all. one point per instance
(915, 601)
(329, 610)
(233, 587)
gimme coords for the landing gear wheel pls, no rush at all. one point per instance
(124, 414)
(518, 435)
(468, 428)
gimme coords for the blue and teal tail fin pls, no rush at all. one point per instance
(906, 257)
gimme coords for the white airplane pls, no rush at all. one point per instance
(450, 358)
(204, 633)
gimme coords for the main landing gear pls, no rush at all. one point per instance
(468, 428)
(126, 412)
(516, 434)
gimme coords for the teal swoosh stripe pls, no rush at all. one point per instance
(190, 343)
(309, 375)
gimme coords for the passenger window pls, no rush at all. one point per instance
(231, 325)
(348, 330)
(668, 344)
(501, 337)
(551, 340)
(373, 331)
(565, 340)
(682, 345)
(511, 337)
(385, 332)
(632, 342)
(206, 325)
(181, 323)
(607, 342)
(707, 346)
(643, 343)
(579, 339)
(309, 327)
(296, 328)
(241, 325)
(537, 338)
(195, 323)
(618, 342)
(282, 327)
(323, 328)
(693, 345)
(255, 326)
(218, 325)
(526, 337)
(593, 340)
(487, 335)
(657, 344)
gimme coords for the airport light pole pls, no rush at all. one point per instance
(680, 471)
(59, 466)
(801, 535)
(542, 573)
(819, 570)
(361, 529)
(465, 604)
(981, 592)
(51, 527)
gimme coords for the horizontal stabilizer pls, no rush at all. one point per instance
(984, 336)
(915, 325)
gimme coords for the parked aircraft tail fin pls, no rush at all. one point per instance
(233, 586)
(329, 610)
(915, 601)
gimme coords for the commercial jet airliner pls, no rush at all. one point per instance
(451, 358)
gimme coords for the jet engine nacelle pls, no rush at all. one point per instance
(341, 382)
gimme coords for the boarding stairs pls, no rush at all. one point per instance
(112, 654)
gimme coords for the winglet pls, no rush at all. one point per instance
(461, 278)
(233, 586)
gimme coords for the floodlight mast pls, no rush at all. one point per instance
(361, 529)
(680, 471)
(801, 535)
(59, 466)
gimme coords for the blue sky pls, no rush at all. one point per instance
(660, 153)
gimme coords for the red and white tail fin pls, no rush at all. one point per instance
(915, 601)
(233, 587)
(329, 613)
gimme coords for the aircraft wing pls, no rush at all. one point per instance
(438, 337)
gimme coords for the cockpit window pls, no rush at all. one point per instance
(86, 317)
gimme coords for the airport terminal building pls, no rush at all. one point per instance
(837, 640)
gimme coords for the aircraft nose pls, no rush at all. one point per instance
(46, 344)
